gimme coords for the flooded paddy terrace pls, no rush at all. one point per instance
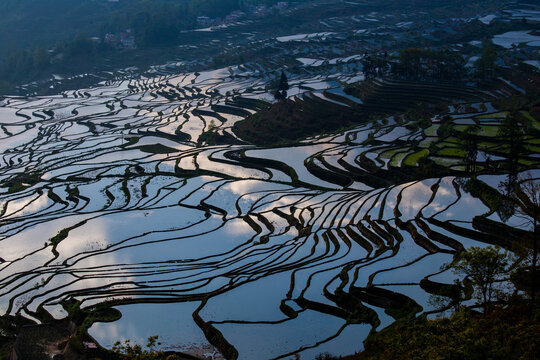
(109, 196)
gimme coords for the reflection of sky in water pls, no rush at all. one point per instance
(34, 237)
(414, 198)
(408, 253)
(164, 242)
(465, 209)
(389, 203)
(173, 323)
(294, 157)
(415, 272)
(18, 140)
(257, 300)
(29, 204)
(253, 340)
(445, 195)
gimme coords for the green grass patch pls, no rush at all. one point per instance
(499, 115)
(527, 115)
(412, 159)
(432, 130)
(532, 148)
(22, 182)
(388, 154)
(288, 121)
(446, 162)
(485, 130)
(486, 145)
(452, 140)
(427, 142)
(62, 235)
(488, 195)
(534, 141)
(452, 151)
(528, 162)
(131, 141)
(398, 158)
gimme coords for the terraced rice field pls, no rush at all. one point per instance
(282, 250)
(110, 196)
(110, 199)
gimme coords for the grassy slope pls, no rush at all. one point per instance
(504, 334)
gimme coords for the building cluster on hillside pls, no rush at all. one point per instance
(263, 10)
(237, 15)
(124, 40)
(205, 21)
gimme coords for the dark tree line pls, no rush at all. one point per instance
(430, 65)
(416, 64)
(26, 65)
(485, 65)
(375, 65)
(154, 23)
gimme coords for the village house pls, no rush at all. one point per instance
(127, 40)
(205, 21)
(111, 40)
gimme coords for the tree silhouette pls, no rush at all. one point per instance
(486, 268)
(471, 147)
(485, 65)
(281, 92)
(511, 132)
(526, 199)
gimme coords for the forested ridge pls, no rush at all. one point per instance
(39, 35)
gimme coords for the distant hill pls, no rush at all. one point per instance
(31, 27)
(30, 23)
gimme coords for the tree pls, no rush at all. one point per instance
(40, 59)
(428, 64)
(526, 198)
(281, 92)
(81, 46)
(487, 268)
(367, 66)
(506, 208)
(507, 333)
(471, 147)
(485, 65)
(511, 132)
(451, 296)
